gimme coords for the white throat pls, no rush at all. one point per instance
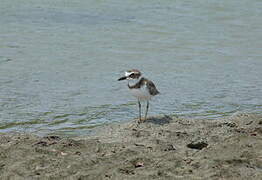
(132, 82)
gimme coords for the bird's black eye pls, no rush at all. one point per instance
(132, 75)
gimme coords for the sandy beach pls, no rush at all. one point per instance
(161, 148)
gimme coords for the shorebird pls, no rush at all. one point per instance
(140, 87)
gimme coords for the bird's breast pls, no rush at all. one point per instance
(141, 93)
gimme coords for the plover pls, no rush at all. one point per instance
(140, 87)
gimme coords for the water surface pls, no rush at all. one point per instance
(59, 60)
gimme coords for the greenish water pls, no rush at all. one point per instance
(59, 60)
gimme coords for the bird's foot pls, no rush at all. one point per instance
(141, 120)
(134, 124)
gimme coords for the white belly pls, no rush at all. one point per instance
(141, 94)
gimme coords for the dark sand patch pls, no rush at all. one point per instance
(161, 148)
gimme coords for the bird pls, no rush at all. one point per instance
(141, 88)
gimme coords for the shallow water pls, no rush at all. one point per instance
(60, 60)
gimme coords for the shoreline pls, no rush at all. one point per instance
(161, 148)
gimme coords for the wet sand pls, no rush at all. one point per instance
(161, 148)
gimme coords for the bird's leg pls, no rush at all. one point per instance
(147, 106)
(139, 106)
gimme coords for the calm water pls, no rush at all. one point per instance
(59, 60)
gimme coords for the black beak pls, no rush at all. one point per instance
(122, 78)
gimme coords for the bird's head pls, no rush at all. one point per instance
(132, 74)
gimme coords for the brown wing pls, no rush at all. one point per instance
(152, 88)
